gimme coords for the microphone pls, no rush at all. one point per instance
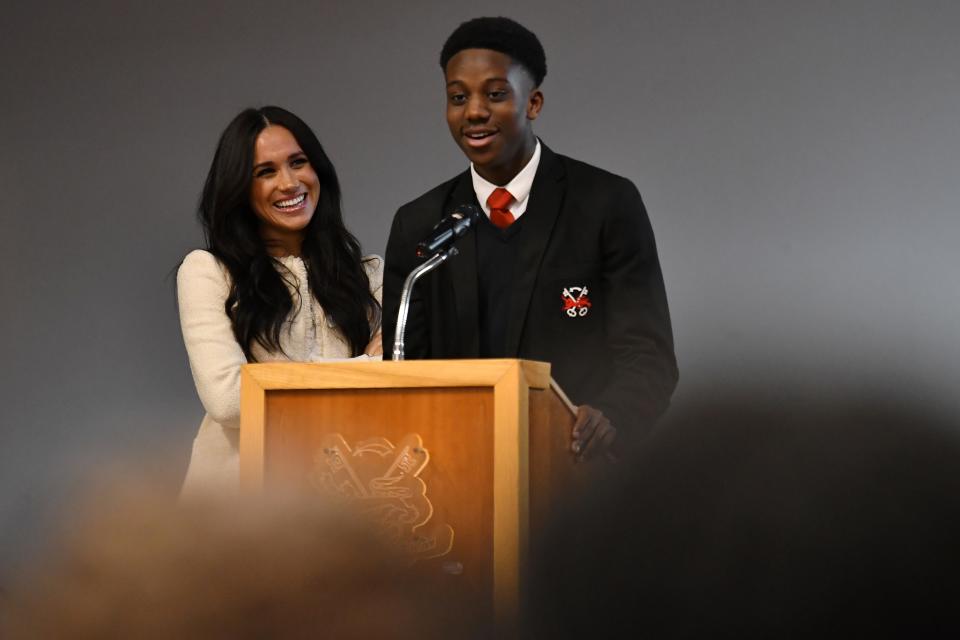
(448, 230)
(439, 247)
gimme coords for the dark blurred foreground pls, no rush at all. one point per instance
(743, 518)
(756, 519)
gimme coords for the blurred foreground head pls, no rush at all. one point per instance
(138, 565)
(755, 520)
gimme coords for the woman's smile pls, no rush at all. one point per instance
(297, 203)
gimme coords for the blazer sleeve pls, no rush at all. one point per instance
(215, 356)
(400, 261)
(638, 326)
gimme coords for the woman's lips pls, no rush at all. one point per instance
(289, 205)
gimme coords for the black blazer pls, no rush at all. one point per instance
(589, 229)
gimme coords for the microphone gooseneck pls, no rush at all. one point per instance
(437, 247)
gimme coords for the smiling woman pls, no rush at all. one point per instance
(285, 190)
(281, 278)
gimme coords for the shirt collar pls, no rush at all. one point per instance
(519, 187)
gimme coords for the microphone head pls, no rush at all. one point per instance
(471, 211)
(449, 229)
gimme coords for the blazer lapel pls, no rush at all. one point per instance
(546, 198)
(462, 269)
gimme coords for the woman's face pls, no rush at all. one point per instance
(285, 188)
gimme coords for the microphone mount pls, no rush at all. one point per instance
(435, 261)
(439, 246)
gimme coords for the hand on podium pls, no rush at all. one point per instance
(592, 434)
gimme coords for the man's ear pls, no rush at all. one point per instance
(534, 104)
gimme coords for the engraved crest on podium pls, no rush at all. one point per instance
(382, 480)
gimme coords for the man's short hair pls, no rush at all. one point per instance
(499, 34)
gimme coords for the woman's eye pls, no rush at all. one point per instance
(260, 173)
(298, 162)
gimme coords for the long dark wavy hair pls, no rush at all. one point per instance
(259, 301)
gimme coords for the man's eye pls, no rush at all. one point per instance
(499, 94)
(458, 98)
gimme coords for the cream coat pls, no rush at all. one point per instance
(215, 357)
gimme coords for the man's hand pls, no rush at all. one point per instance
(375, 348)
(592, 433)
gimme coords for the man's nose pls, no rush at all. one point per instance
(477, 109)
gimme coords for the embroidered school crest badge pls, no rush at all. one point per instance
(575, 301)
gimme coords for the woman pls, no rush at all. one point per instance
(281, 277)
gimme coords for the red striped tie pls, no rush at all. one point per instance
(498, 202)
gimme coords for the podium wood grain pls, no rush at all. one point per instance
(496, 432)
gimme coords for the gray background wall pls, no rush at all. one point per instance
(800, 162)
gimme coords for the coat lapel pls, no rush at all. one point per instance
(463, 274)
(546, 198)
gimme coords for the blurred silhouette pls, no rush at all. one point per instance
(135, 564)
(745, 519)
(766, 520)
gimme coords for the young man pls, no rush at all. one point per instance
(563, 268)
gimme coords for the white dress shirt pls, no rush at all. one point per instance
(519, 187)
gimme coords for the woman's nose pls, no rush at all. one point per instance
(288, 180)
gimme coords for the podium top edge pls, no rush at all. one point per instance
(364, 373)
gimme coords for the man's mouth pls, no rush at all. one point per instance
(291, 204)
(478, 139)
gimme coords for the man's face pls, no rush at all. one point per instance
(491, 103)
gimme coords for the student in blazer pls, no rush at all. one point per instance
(572, 277)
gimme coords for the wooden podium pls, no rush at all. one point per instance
(464, 458)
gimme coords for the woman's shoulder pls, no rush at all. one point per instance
(200, 264)
(198, 258)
